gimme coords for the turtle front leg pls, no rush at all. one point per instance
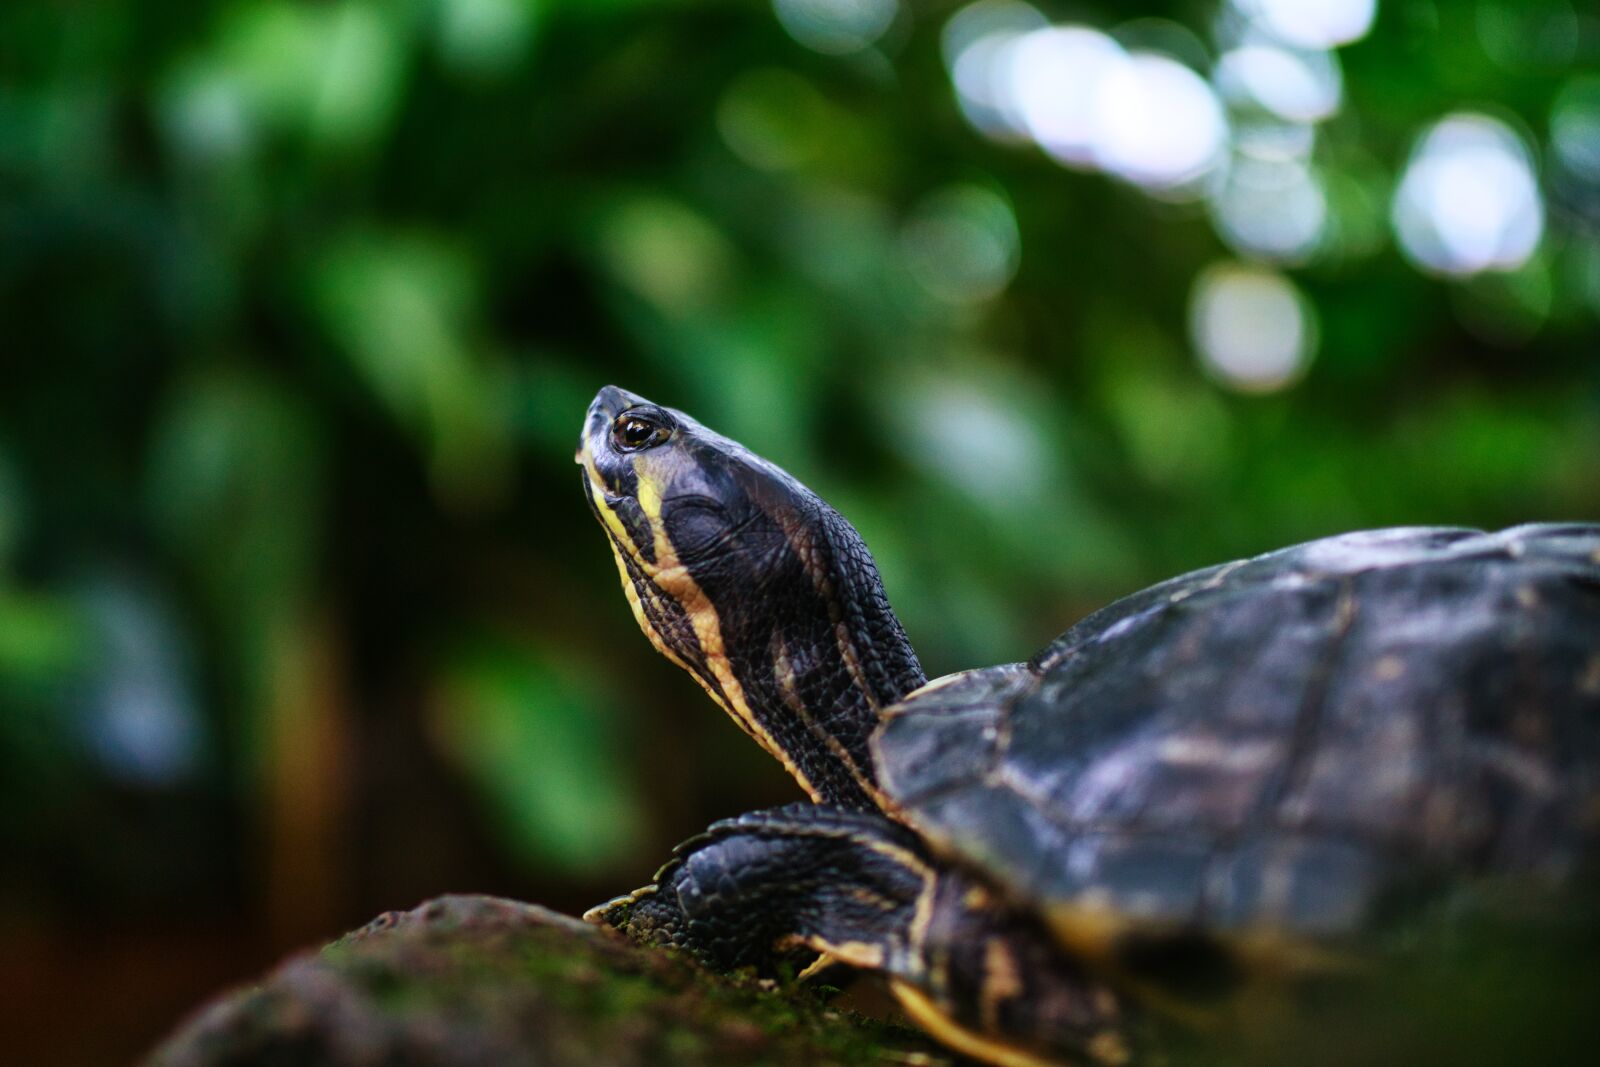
(859, 889)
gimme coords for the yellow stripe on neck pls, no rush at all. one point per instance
(674, 580)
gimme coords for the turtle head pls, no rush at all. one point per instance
(750, 582)
(675, 495)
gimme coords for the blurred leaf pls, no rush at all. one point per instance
(539, 741)
(234, 483)
(331, 72)
(42, 640)
(666, 253)
(1176, 431)
(402, 308)
(483, 38)
(774, 119)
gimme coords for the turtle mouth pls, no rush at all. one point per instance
(619, 515)
(611, 484)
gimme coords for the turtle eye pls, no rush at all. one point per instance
(632, 432)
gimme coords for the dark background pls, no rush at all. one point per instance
(301, 613)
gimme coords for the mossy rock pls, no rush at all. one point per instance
(473, 981)
(464, 981)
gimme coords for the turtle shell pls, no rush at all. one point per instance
(1279, 746)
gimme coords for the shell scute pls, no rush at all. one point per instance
(1285, 742)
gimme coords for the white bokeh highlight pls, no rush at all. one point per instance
(1312, 23)
(1084, 99)
(836, 27)
(1468, 201)
(1253, 329)
(1244, 133)
(978, 42)
(1271, 208)
(1056, 77)
(973, 434)
(1157, 123)
(1297, 86)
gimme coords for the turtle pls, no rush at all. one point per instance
(1230, 781)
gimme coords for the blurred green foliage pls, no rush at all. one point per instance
(302, 304)
(536, 733)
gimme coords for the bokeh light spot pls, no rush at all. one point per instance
(836, 27)
(974, 435)
(205, 113)
(1293, 85)
(666, 253)
(1312, 23)
(1271, 208)
(142, 721)
(1057, 76)
(485, 37)
(1575, 128)
(961, 244)
(978, 42)
(772, 119)
(1253, 329)
(1158, 124)
(1084, 99)
(1468, 200)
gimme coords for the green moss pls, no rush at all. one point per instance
(465, 977)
